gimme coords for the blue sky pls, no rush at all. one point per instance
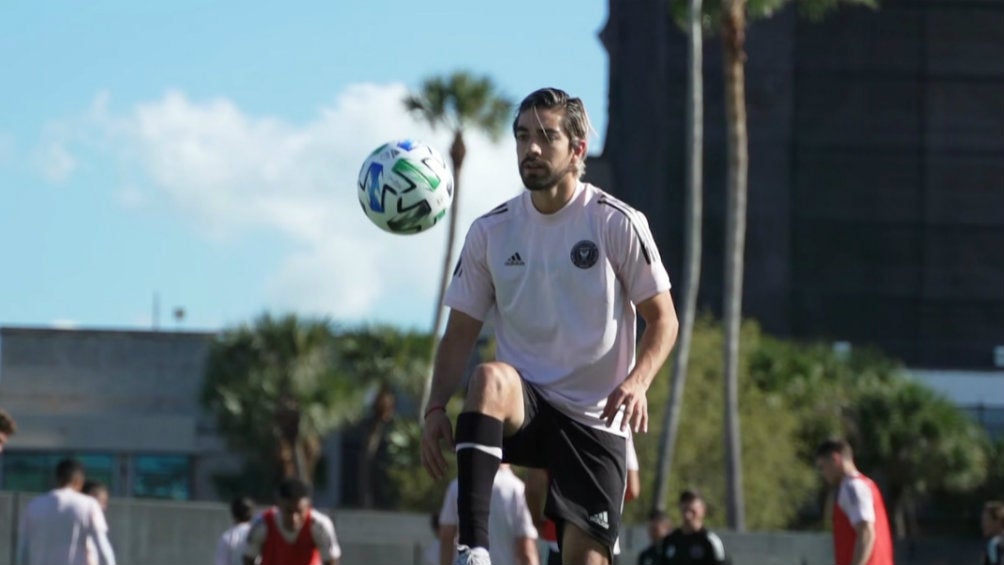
(206, 152)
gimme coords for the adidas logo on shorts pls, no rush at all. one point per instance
(600, 520)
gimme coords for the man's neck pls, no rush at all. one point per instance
(551, 200)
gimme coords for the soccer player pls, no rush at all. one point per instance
(230, 547)
(860, 527)
(98, 491)
(57, 526)
(560, 272)
(7, 428)
(510, 524)
(292, 532)
(659, 526)
(992, 524)
(692, 543)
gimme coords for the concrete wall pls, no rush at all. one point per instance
(102, 390)
(169, 533)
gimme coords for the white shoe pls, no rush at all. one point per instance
(475, 556)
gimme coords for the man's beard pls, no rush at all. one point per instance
(542, 178)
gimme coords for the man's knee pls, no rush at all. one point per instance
(493, 380)
(579, 548)
(493, 386)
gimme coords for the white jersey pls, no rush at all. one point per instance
(57, 526)
(560, 291)
(630, 455)
(855, 498)
(230, 547)
(508, 519)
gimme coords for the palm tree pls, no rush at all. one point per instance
(457, 102)
(692, 252)
(734, 59)
(275, 389)
(733, 25)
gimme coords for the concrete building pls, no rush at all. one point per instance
(876, 177)
(124, 402)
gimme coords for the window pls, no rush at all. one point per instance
(28, 471)
(162, 476)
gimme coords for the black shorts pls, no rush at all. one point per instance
(586, 465)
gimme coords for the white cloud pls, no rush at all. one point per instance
(229, 173)
(55, 162)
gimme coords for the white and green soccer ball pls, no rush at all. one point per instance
(405, 186)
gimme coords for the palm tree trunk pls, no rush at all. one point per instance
(692, 256)
(302, 468)
(734, 39)
(458, 150)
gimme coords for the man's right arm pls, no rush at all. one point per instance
(864, 543)
(451, 359)
(454, 351)
(447, 549)
(536, 495)
(253, 542)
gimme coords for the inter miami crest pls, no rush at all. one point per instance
(584, 254)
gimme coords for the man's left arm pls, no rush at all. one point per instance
(525, 540)
(99, 534)
(661, 327)
(864, 543)
(526, 551)
(716, 554)
(325, 539)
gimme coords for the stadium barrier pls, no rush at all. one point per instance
(168, 533)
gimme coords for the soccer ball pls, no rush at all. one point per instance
(405, 186)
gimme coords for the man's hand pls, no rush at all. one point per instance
(631, 396)
(437, 427)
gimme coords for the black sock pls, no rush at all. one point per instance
(479, 452)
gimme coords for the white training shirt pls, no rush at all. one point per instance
(560, 290)
(230, 547)
(855, 498)
(322, 531)
(508, 519)
(631, 456)
(56, 527)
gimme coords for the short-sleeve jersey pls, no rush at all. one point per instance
(230, 546)
(508, 520)
(859, 500)
(57, 526)
(314, 543)
(560, 291)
